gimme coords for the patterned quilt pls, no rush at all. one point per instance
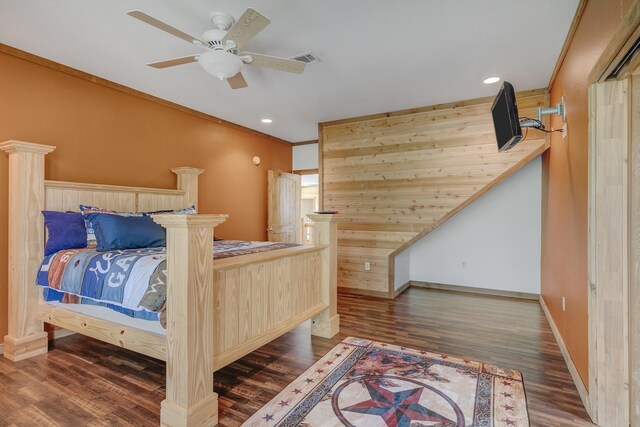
(131, 281)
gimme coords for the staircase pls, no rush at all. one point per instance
(397, 176)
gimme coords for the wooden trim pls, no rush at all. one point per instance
(625, 36)
(365, 292)
(320, 171)
(401, 289)
(634, 253)
(391, 275)
(567, 42)
(591, 255)
(306, 172)
(573, 371)
(114, 188)
(608, 297)
(9, 50)
(473, 290)
(243, 260)
(419, 110)
(312, 141)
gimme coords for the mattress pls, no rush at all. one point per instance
(131, 282)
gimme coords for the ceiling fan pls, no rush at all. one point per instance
(221, 58)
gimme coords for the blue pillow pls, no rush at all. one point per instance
(114, 232)
(66, 231)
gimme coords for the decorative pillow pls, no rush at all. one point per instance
(91, 238)
(85, 210)
(114, 232)
(66, 231)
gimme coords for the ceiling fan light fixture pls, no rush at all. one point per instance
(220, 64)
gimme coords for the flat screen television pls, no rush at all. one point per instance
(505, 118)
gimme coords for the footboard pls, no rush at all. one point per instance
(261, 296)
(220, 310)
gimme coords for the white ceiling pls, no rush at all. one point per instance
(377, 55)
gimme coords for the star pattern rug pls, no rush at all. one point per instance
(367, 383)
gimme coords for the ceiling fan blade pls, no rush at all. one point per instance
(162, 26)
(247, 27)
(276, 63)
(174, 61)
(237, 81)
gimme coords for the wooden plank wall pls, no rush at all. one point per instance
(397, 176)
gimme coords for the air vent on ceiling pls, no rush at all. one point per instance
(307, 58)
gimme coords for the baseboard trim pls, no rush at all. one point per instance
(364, 292)
(577, 380)
(472, 290)
(401, 289)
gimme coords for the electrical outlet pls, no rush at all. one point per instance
(564, 304)
(367, 266)
(464, 263)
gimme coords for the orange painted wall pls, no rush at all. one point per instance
(109, 137)
(565, 165)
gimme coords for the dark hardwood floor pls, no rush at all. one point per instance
(85, 382)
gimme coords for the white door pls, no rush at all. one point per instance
(284, 207)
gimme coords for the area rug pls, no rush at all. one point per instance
(367, 383)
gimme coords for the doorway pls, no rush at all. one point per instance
(309, 203)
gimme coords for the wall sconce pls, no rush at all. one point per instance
(256, 160)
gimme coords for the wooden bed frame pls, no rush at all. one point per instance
(217, 310)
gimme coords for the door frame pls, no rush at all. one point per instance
(614, 231)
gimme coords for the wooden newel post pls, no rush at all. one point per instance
(26, 337)
(190, 400)
(325, 232)
(188, 182)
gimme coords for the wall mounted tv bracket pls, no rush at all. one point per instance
(559, 110)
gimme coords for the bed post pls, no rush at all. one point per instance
(188, 182)
(325, 232)
(26, 337)
(190, 400)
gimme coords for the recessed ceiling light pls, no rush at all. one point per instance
(491, 80)
(267, 121)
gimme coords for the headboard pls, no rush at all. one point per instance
(30, 193)
(66, 196)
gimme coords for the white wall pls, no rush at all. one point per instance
(497, 238)
(305, 157)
